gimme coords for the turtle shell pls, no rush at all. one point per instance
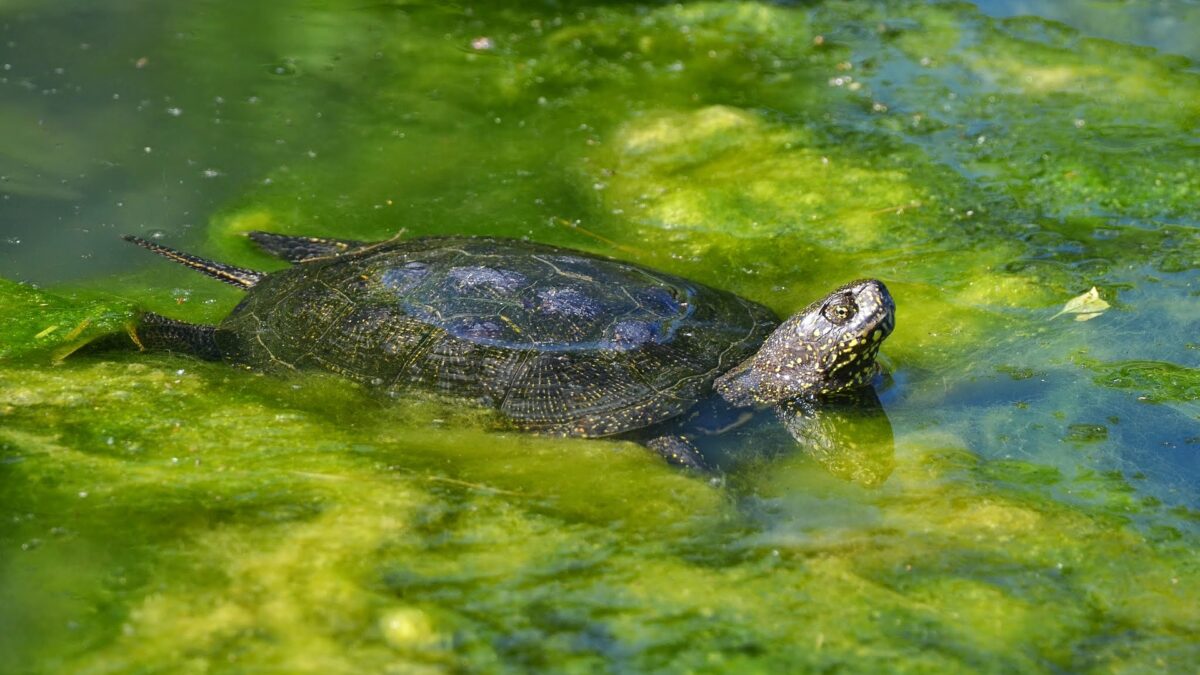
(559, 341)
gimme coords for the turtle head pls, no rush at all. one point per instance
(827, 348)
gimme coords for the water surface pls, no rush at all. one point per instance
(1033, 506)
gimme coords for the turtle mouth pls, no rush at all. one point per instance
(877, 310)
(878, 330)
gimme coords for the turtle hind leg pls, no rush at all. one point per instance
(299, 249)
(159, 333)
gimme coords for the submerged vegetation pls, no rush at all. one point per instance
(1035, 506)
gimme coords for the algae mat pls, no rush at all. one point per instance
(1032, 505)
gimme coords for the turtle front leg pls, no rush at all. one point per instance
(678, 450)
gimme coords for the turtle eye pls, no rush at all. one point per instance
(840, 310)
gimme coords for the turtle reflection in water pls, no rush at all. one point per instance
(557, 341)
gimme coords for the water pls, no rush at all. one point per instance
(1031, 505)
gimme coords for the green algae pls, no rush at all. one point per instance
(40, 324)
(1153, 381)
(269, 532)
(1034, 511)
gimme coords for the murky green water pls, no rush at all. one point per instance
(1037, 509)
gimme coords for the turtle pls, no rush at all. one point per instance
(557, 341)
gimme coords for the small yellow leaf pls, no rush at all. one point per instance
(1085, 307)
